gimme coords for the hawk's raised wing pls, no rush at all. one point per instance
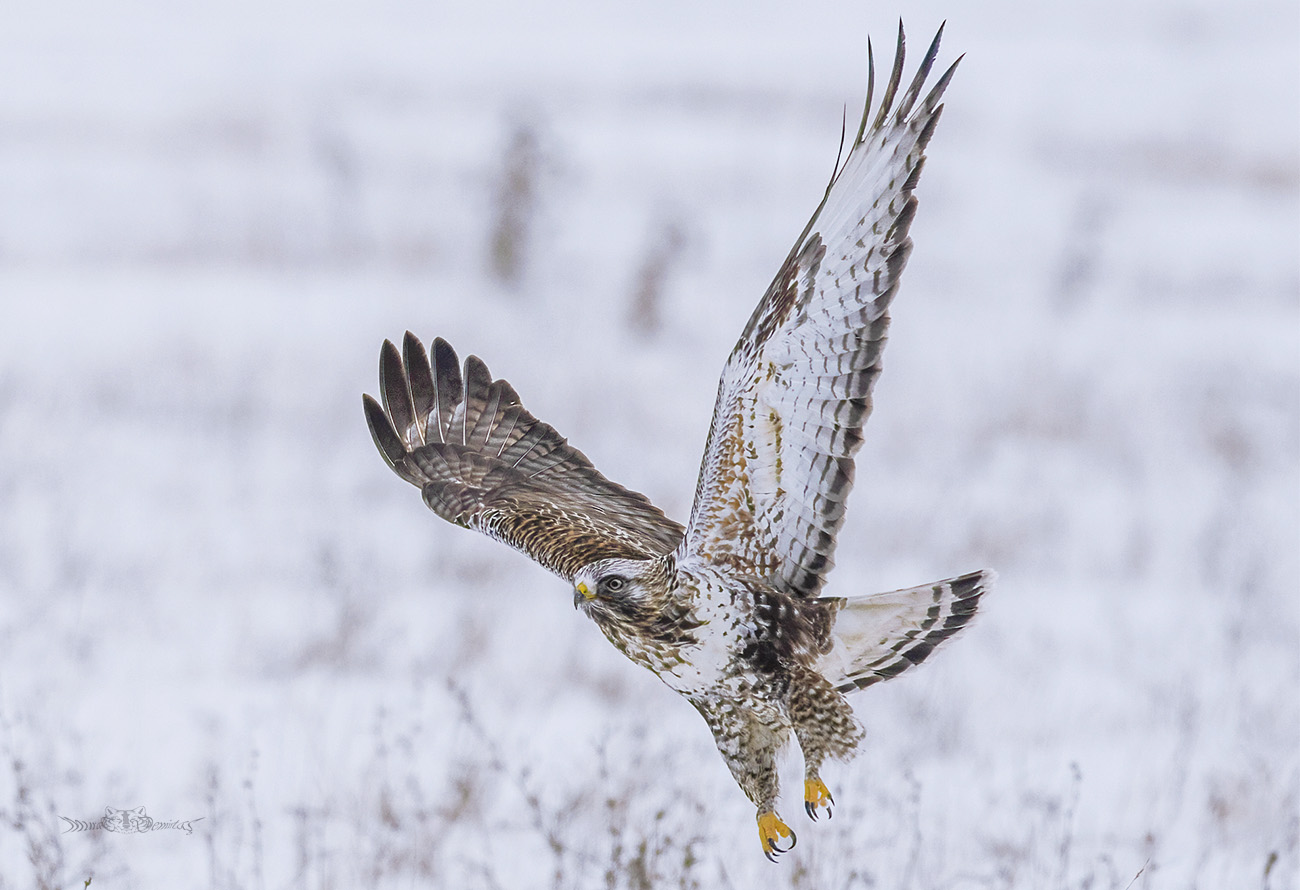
(483, 462)
(797, 388)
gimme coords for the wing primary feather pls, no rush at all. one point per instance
(386, 438)
(446, 374)
(839, 154)
(478, 437)
(397, 398)
(922, 72)
(932, 98)
(477, 383)
(871, 86)
(419, 380)
(887, 100)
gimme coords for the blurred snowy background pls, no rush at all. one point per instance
(217, 602)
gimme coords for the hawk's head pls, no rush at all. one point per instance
(634, 603)
(619, 585)
(612, 581)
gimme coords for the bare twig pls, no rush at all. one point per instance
(1067, 827)
(1138, 875)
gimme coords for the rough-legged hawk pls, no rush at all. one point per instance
(729, 610)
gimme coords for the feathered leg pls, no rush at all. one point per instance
(825, 727)
(748, 744)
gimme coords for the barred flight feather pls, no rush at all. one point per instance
(483, 462)
(796, 390)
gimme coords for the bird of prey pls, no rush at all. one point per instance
(729, 610)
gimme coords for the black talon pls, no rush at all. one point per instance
(810, 807)
(775, 851)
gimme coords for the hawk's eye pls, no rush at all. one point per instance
(614, 584)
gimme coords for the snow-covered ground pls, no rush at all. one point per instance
(216, 602)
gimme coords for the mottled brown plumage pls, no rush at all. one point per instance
(727, 611)
(483, 462)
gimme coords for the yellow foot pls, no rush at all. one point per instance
(770, 830)
(816, 794)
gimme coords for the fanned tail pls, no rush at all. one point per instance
(877, 637)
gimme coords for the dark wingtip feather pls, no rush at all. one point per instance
(474, 384)
(895, 75)
(392, 389)
(419, 379)
(835, 172)
(381, 430)
(442, 353)
(446, 374)
(936, 92)
(481, 402)
(922, 72)
(871, 86)
(477, 371)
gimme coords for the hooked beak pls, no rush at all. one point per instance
(581, 592)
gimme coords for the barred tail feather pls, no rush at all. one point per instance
(877, 637)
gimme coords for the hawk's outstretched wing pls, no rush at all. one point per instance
(797, 388)
(483, 462)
